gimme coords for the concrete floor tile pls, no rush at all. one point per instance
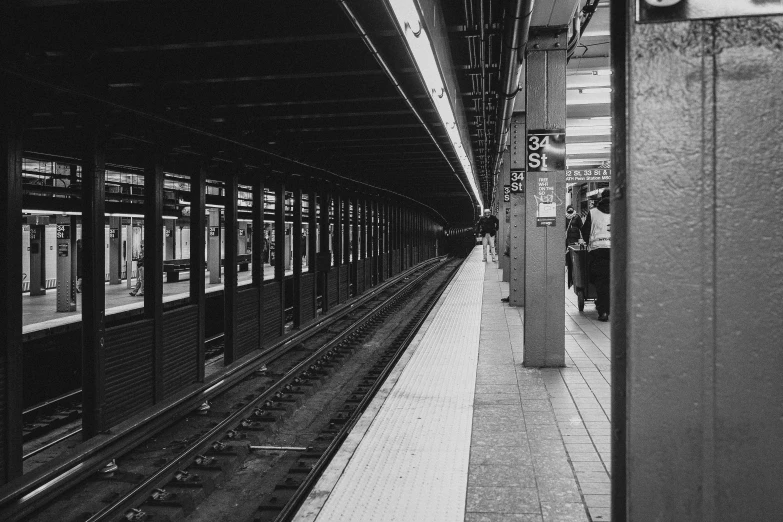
(595, 488)
(503, 517)
(589, 465)
(497, 388)
(535, 405)
(585, 457)
(563, 512)
(502, 476)
(494, 456)
(592, 476)
(502, 500)
(558, 489)
(598, 501)
(488, 399)
(498, 438)
(600, 514)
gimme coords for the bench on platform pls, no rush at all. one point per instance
(173, 267)
(243, 262)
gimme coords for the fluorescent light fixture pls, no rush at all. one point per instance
(126, 215)
(212, 205)
(574, 98)
(419, 44)
(594, 130)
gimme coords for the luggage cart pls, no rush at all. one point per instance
(583, 288)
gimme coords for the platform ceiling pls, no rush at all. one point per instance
(256, 81)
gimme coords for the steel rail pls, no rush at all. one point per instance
(308, 482)
(139, 493)
(29, 492)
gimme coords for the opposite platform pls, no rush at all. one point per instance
(461, 431)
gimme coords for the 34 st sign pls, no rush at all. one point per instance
(545, 150)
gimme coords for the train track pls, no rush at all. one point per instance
(219, 439)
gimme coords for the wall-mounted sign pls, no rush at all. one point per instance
(63, 232)
(62, 250)
(114, 233)
(241, 232)
(506, 193)
(214, 231)
(168, 232)
(677, 10)
(34, 233)
(517, 182)
(572, 176)
(545, 150)
(546, 208)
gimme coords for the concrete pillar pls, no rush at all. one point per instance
(37, 258)
(544, 199)
(115, 251)
(697, 306)
(517, 207)
(504, 216)
(66, 265)
(213, 246)
(168, 238)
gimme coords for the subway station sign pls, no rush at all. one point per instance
(597, 174)
(517, 185)
(546, 150)
(678, 10)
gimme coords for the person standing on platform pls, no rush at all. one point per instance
(139, 290)
(573, 225)
(487, 226)
(596, 231)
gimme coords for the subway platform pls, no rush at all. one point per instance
(462, 431)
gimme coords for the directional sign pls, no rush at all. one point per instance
(545, 150)
(573, 176)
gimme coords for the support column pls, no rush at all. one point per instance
(230, 265)
(280, 247)
(198, 178)
(257, 253)
(213, 246)
(115, 251)
(517, 210)
(296, 237)
(93, 295)
(545, 240)
(696, 296)
(153, 262)
(504, 215)
(324, 261)
(354, 239)
(11, 295)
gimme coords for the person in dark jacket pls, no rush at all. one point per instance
(596, 231)
(573, 224)
(487, 227)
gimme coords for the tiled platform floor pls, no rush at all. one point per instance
(40, 311)
(539, 443)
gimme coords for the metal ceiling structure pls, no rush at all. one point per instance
(326, 84)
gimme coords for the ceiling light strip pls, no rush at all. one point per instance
(419, 44)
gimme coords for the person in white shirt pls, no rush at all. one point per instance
(596, 231)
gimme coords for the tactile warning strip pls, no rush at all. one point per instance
(412, 462)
